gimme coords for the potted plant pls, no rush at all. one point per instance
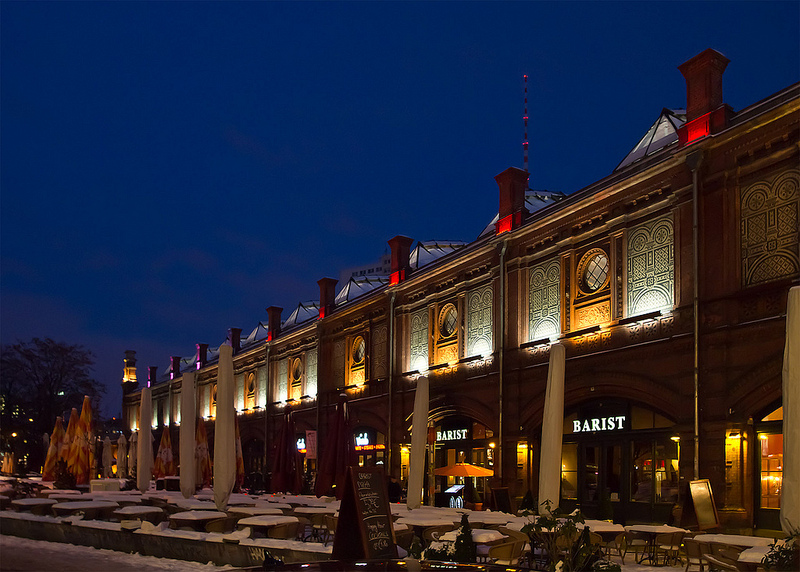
(785, 554)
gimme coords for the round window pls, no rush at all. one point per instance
(359, 350)
(251, 384)
(595, 272)
(447, 321)
(297, 370)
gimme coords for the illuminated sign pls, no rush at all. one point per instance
(451, 435)
(301, 444)
(598, 424)
(363, 443)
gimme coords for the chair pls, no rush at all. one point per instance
(318, 528)
(635, 542)
(668, 545)
(597, 540)
(404, 538)
(331, 522)
(224, 525)
(432, 533)
(286, 531)
(507, 553)
(694, 554)
(618, 544)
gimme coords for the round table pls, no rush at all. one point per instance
(195, 519)
(92, 510)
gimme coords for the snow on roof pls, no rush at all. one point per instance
(358, 286)
(662, 133)
(304, 312)
(431, 250)
(258, 334)
(534, 200)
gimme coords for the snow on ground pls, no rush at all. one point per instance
(36, 555)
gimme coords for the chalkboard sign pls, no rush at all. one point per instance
(699, 509)
(364, 529)
(502, 501)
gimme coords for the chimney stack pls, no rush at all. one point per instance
(401, 250)
(152, 375)
(176, 367)
(274, 322)
(512, 183)
(235, 339)
(202, 355)
(327, 295)
(706, 112)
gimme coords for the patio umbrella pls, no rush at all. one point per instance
(239, 458)
(53, 451)
(419, 437)
(552, 430)
(80, 449)
(144, 448)
(122, 456)
(187, 438)
(338, 453)
(286, 472)
(224, 430)
(463, 470)
(132, 452)
(108, 458)
(164, 465)
(790, 489)
(69, 437)
(201, 458)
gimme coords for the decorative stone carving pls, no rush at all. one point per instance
(479, 321)
(651, 272)
(544, 300)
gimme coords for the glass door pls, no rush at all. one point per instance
(600, 480)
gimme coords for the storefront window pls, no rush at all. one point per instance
(666, 472)
(771, 469)
(642, 471)
(569, 471)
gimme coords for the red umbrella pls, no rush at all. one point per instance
(164, 465)
(338, 453)
(287, 474)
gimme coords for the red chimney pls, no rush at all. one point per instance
(706, 113)
(235, 339)
(401, 250)
(202, 355)
(274, 322)
(176, 367)
(513, 183)
(327, 295)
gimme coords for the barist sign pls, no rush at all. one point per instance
(451, 435)
(598, 424)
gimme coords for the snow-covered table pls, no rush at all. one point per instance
(735, 539)
(253, 511)
(479, 535)
(92, 510)
(149, 513)
(304, 510)
(262, 523)
(195, 519)
(28, 504)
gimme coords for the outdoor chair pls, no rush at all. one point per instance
(668, 545)
(286, 531)
(224, 525)
(404, 538)
(635, 542)
(617, 544)
(694, 554)
(432, 533)
(597, 541)
(331, 522)
(319, 529)
(507, 553)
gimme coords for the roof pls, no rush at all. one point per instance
(358, 286)
(431, 250)
(534, 200)
(662, 133)
(304, 312)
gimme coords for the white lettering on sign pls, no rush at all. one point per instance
(362, 439)
(451, 435)
(598, 424)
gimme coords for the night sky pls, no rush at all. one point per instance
(169, 170)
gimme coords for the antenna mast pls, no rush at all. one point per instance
(525, 122)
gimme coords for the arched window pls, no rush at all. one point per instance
(447, 334)
(296, 378)
(357, 361)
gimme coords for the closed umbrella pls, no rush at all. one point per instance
(338, 453)
(108, 458)
(790, 489)
(202, 459)
(239, 459)
(80, 450)
(224, 430)
(419, 436)
(122, 456)
(463, 470)
(187, 437)
(144, 448)
(56, 440)
(552, 431)
(133, 454)
(164, 465)
(69, 438)
(286, 472)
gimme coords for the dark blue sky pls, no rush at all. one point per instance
(169, 170)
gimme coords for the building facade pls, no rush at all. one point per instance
(666, 282)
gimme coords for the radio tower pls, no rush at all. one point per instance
(525, 122)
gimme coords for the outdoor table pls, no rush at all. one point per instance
(652, 530)
(479, 535)
(607, 530)
(735, 539)
(274, 504)
(253, 510)
(92, 509)
(195, 504)
(149, 513)
(26, 504)
(48, 493)
(195, 519)
(753, 555)
(5, 502)
(303, 510)
(264, 522)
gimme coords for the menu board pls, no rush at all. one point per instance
(699, 509)
(364, 529)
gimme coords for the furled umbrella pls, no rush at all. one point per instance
(69, 438)
(239, 459)
(133, 454)
(201, 457)
(144, 449)
(164, 465)
(552, 430)
(286, 471)
(53, 451)
(122, 456)
(79, 452)
(186, 445)
(108, 458)
(338, 453)
(224, 430)
(419, 437)
(790, 488)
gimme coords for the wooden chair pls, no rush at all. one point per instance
(432, 533)
(224, 525)
(725, 557)
(668, 545)
(507, 553)
(693, 551)
(286, 531)
(597, 541)
(635, 542)
(617, 544)
(331, 522)
(404, 538)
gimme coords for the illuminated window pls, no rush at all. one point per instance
(250, 390)
(296, 378)
(593, 271)
(212, 409)
(358, 355)
(447, 335)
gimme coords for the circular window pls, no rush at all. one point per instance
(251, 384)
(447, 321)
(595, 271)
(297, 370)
(359, 350)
